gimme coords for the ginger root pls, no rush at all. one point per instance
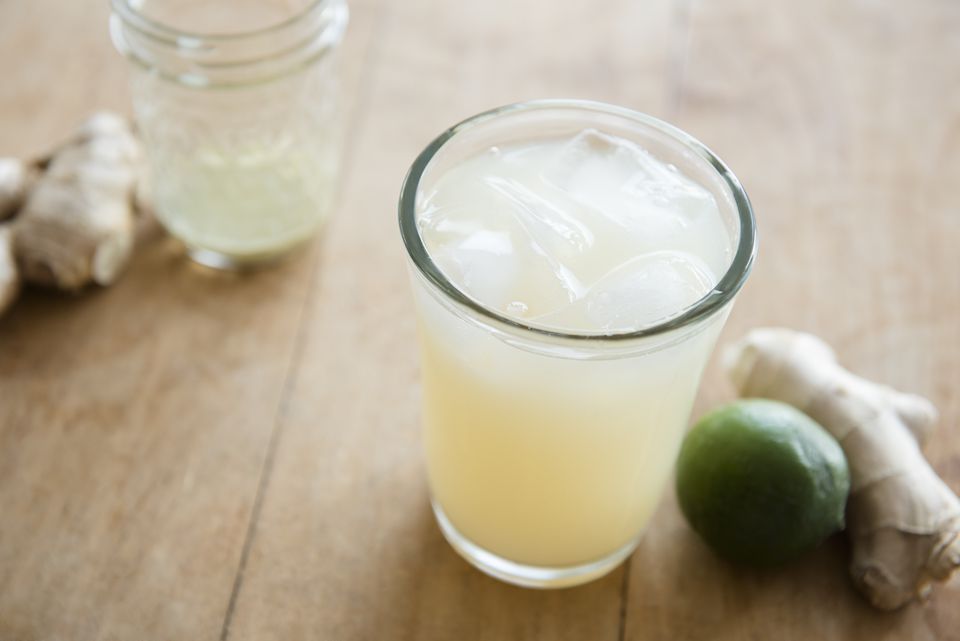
(9, 275)
(902, 519)
(14, 180)
(76, 225)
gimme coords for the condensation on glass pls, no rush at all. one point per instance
(237, 103)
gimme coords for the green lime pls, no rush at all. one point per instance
(761, 482)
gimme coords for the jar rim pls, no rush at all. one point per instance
(132, 15)
(228, 60)
(710, 303)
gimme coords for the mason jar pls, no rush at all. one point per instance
(237, 104)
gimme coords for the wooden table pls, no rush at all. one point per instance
(190, 455)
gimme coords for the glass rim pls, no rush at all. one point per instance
(134, 16)
(710, 303)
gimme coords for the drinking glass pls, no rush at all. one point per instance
(548, 451)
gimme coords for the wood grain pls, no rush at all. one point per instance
(192, 455)
(837, 118)
(346, 546)
(135, 421)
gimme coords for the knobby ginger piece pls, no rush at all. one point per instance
(9, 276)
(902, 519)
(77, 224)
(14, 180)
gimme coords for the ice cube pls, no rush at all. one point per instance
(648, 289)
(482, 265)
(552, 232)
(626, 183)
(547, 223)
(538, 231)
(491, 249)
(593, 162)
(652, 203)
(639, 293)
(488, 266)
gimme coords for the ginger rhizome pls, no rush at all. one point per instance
(14, 180)
(69, 218)
(9, 275)
(902, 519)
(76, 225)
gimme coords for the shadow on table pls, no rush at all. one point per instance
(426, 592)
(679, 590)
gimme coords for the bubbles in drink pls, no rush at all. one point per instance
(590, 233)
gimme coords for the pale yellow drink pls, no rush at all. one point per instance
(248, 206)
(547, 458)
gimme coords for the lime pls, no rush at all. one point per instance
(761, 481)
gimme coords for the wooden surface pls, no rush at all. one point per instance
(190, 455)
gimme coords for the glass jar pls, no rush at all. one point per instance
(547, 451)
(237, 104)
